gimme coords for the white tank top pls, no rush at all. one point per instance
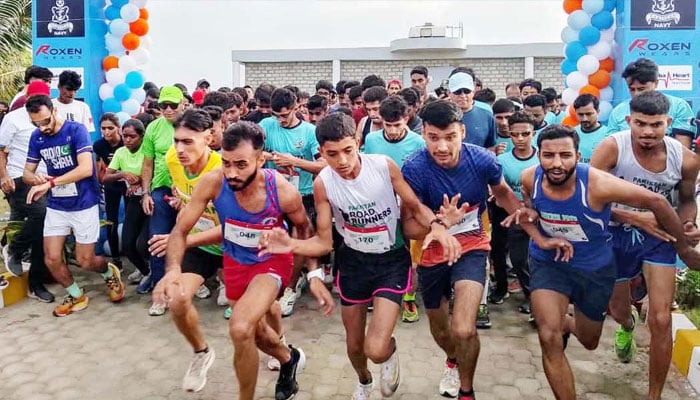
(365, 209)
(664, 183)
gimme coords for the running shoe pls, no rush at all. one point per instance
(514, 286)
(498, 298)
(71, 304)
(625, 346)
(135, 277)
(390, 375)
(157, 310)
(228, 312)
(145, 286)
(3, 282)
(196, 375)
(115, 284)
(203, 292)
(362, 391)
(410, 310)
(525, 308)
(482, 317)
(12, 264)
(449, 384)
(40, 293)
(287, 302)
(287, 386)
(221, 298)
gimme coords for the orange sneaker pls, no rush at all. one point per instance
(71, 304)
(115, 284)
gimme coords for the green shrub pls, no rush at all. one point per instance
(688, 289)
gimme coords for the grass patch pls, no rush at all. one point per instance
(693, 315)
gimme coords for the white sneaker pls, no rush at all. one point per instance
(362, 392)
(287, 302)
(203, 292)
(221, 298)
(301, 283)
(157, 310)
(135, 277)
(196, 375)
(273, 364)
(449, 384)
(390, 375)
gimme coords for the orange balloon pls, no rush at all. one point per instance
(143, 13)
(131, 41)
(590, 89)
(600, 79)
(571, 111)
(607, 64)
(139, 27)
(110, 62)
(572, 5)
(569, 121)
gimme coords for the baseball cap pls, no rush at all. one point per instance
(170, 94)
(38, 88)
(202, 82)
(460, 80)
(198, 97)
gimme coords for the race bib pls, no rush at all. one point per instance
(204, 224)
(242, 234)
(135, 192)
(67, 190)
(368, 240)
(469, 223)
(569, 230)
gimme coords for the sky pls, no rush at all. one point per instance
(191, 39)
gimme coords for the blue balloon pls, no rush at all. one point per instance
(603, 20)
(610, 5)
(134, 80)
(589, 36)
(112, 12)
(111, 105)
(119, 3)
(573, 51)
(122, 92)
(569, 35)
(567, 66)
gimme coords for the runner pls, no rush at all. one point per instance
(247, 200)
(574, 203)
(590, 131)
(644, 156)
(373, 263)
(448, 167)
(73, 197)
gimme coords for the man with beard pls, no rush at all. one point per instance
(573, 202)
(372, 99)
(590, 131)
(247, 201)
(645, 156)
(502, 110)
(536, 106)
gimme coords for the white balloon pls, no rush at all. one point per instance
(138, 95)
(606, 94)
(587, 64)
(113, 42)
(568, 35)
(593, 6)
(604, 110)
(576, 80)
(608, 34)
(131, 106)
(145, 42)
(126, 63)
(138, 3)
(115, 76)
(568, 96)
(129, 13)
(118, 27)
(578, 20)
(140, 55)
(123, 117)
(106, 91)
(600, 50)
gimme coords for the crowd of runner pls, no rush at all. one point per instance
(366, 193)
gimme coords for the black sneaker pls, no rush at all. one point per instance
(118, 263)
(482, 317)
(525, 308)
(12, 263)
(40, 293)
(287, 385)
(498, 298)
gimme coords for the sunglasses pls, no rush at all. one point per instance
(520, 134)
(164, 105)
(460, 92)
(43, 122)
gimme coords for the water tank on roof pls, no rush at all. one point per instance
(427, 30)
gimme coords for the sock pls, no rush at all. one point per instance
(409, 297)
(451, 362)
(107, 274)
(206, 350)
(74, 290)
(466, 393)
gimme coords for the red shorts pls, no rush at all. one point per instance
(238, 276)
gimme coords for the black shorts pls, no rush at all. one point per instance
(363, 276)
(202, 263)
(436, 282)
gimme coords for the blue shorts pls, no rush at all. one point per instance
(633, 247)
(436, 282)
(589, 291)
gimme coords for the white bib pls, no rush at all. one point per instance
(242, 234)
(569, 230)
(293, 179)
(368, 240)
(469, 223)
(204, 224)
(67, 190)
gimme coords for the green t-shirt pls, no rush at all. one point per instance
(126, 161)
(156, 142)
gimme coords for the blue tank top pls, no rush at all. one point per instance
(573, 220)
(242, 229)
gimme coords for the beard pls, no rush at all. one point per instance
(567, 175)
(237, 185)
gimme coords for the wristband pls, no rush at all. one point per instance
(440, 222)
(317, 273)
(52, 184)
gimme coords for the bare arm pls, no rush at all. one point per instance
(6, 182)
(29, 173)
(310, 166)
(147, 174)
(112, 176)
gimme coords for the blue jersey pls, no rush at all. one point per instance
(299, 141)
(483, 106)
(680, 111)
(376, 143)
(60, 153)
(513, 166)
(480, 126)
(572, 219)
(588, 141)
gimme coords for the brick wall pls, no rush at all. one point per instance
(301, 74)
(548, 70)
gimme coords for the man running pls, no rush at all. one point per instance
(247, 200)
(644, 156)
(374, 265)
(73, 197)
(574, 203)
(590, 131)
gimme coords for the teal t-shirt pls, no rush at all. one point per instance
(537, 133)
(553, 118)
(513, 166)
(299, 141)
(376, 143)
(483, 105)
(588, 141)
(680, 112)
(507, 140)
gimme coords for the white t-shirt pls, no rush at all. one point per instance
(15, 131)
(76, 111)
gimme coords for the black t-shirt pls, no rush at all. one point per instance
(104, 152)
(256, 116)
